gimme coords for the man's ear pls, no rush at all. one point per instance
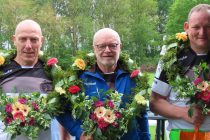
(186, 26)
(42, 39)
(13, 38)
(121, 46)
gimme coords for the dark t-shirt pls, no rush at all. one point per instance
(17, 79)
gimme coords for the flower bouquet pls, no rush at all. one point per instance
(24, 114)
(107, 119)
(198, 91)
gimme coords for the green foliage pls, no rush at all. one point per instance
(68, 26)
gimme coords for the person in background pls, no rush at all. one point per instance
(163, 99)
(106, 74)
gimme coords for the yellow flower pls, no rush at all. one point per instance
(18, 107)
(41, 53)
(100, 111)
(203, 86)
(25, 109)
(208, 88)
(182, 36)
(109, 116)
(140, 99)
(2, 60)
(79, 63)
(60, 90)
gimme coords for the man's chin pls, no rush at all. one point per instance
(109, 63)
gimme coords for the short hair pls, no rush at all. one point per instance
(197, 8)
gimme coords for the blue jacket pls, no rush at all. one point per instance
(94, 83)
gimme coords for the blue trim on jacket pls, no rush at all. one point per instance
(94, 85)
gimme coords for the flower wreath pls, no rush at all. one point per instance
(23, 114)
(70, 91)
(197, 91)
(70, 84)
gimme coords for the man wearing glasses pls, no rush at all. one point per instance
(106, 74)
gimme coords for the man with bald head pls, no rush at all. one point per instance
(28, 40)
(104, 75)
(25, 72)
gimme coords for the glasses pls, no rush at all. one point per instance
(111, 46)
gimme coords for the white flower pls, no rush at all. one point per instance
(90, 54)
(60, 90)
(140, 99)
(109, 116)
(41, 53)
(100, 111)
(130, 62)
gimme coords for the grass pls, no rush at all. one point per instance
(152, 132)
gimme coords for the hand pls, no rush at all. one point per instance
(84, 137)
(197, 118)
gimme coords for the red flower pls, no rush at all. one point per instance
(8, 108)
(31, 121)
(8, 120)
(98, 104)
(93, 116)
(118, 114)
(22, 124)
(22, 100)
(204, 96)
(74, 89)
(197, 81)
(110, 104)
(102, 124)
(114, 124)
(19, 115)
(52, 61)
(134, 73)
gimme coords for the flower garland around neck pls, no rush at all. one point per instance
(27, 113)
(169, 60)
(70, 86)
(70, 94)
(195, 89)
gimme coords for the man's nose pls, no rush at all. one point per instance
(203, 31)
(28, 43)
(107, 49)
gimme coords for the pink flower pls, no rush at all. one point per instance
(134, 73)
(22, 100)
(8, 108)
(118, 114)
(102, 124)
(52, 61)
(98, 103)
(110, 104)
(197, 81)
(18, 115)
(73, 89)
(35, 106)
